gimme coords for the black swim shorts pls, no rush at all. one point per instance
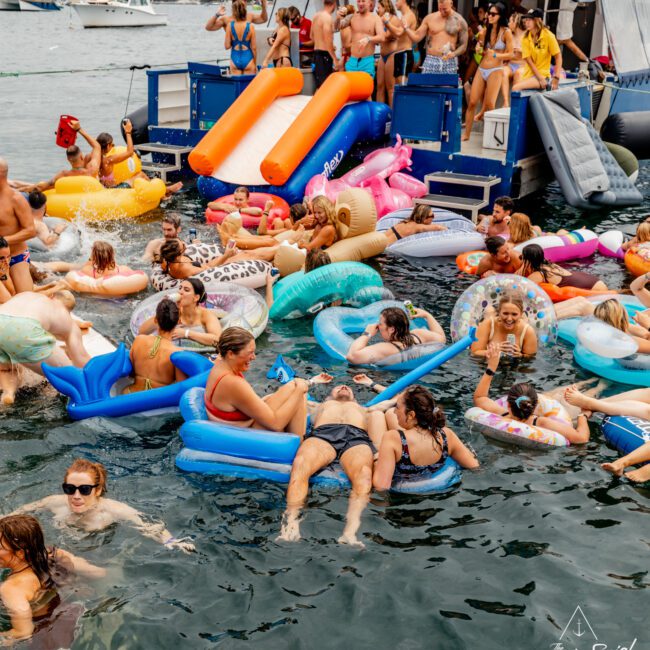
(403, 64)
(323, 66)
(342, 437)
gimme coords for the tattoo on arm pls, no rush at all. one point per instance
(462, 37)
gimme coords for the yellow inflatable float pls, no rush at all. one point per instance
(87, 198)
(126, 169)
(356, 216)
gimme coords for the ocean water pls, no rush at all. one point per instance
(502, 561)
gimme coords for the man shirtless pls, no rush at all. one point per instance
(221, 21)
(16, 226)
(322, 35)
(239, 204)
(446, 31)
(403, 58)
(496, 224)
(501, 258)
(79, 166)
(367, 32)
(30, 325)
(339, 433)
(38, 205)
(171, 229)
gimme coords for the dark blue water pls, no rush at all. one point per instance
(500, 562)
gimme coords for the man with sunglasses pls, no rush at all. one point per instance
(447, 36)
(303, 25)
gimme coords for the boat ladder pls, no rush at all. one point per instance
(162, 168)
(461, 203)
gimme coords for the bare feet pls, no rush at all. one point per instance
(639, 475)
(224, 235)
(573, 396)
(479, 117)
(8, 398)
(464, 138)
(351, 540)
(616, 468)
(290, 531)
(172, 189)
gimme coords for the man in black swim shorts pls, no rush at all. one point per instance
(340, 433)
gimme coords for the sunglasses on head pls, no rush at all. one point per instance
(71, 488)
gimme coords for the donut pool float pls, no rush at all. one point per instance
(637, 260)
(468, 262)
(519, 433)
(123, 283)
(280, 209)
(470, 307)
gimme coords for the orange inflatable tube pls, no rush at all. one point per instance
(558, 294)
(221, 139)
(468, 262)
(294, 145)
(637, 260)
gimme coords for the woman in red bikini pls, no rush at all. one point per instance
(230, 399)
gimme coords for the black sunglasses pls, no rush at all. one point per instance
(493, 13)
(71, 488)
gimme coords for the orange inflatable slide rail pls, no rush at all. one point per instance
(294, 145)
(217, 144)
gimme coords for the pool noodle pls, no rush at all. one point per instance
(411, 377)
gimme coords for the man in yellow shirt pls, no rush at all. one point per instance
(538, 46)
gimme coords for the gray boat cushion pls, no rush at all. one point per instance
(622, 191)
(583, 163)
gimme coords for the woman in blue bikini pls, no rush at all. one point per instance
(240, 40)
(497, 46)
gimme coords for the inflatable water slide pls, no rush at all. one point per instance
(272, 139)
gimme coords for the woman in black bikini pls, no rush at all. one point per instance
(394, 329)
(29, 593)
(280, 42)
(419, 221)
(537, 268)
(418, 441)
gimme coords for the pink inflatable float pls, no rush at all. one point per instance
(407, 184)
(381, 163)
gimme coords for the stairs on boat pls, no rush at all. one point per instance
(162, 168)
(460, 203)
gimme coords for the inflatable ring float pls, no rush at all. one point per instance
(333, 328)
(123, 283)
(66, 246)
(215, 448)
(280, 209)
(519, 433)
(234, 306)
(126, 169)
(468, 262)
(637, 260)
(625, 433)
(302, 293)
(633, 370)
(558, 294)
(469, 308)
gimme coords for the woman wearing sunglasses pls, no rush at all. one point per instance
(83, 504)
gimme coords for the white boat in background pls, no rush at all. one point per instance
(9, 5)
(118, 13)
(38, 5)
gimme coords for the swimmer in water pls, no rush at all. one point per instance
(84, 505)
(29, 592)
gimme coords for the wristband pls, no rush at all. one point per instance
(489, 372)
(187, 333)
(266, 212)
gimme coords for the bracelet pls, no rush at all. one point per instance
(266, 212)
(556, 77)
(489, 372)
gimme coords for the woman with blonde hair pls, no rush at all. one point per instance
(613, 313)
(538, 46)
(83, 503)
(101, 264)
(642, 236)
(514, 67)
(280, 42)
(326, 231)
(521, 229)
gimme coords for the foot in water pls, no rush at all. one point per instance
(350, 540)
(290, 531)
(173, 189)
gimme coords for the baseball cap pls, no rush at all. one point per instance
(534, 13)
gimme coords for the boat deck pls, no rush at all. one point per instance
(472, 147)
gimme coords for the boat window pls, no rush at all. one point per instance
(629, 43)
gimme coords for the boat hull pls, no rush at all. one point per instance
(38, 5)
(112, 16)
